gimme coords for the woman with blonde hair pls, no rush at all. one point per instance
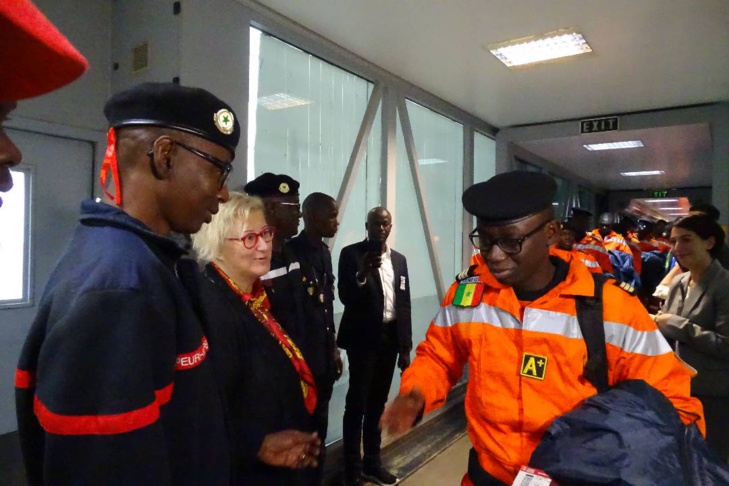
(267, 387)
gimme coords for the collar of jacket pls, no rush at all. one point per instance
(95, 213)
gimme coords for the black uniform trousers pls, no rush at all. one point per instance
(370, 377)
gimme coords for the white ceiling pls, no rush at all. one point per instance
(647, 55)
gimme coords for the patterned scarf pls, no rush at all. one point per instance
(257, 302)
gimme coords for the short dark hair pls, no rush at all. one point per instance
(708, 209)
(706, 227)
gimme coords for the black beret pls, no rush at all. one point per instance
(509, 196)
(575, 211)
(269, 185)
(170, 105)
(570, 225)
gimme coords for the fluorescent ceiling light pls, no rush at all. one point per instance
(642, 173)
(279, 101)
(614, 145)
(539, 48)
(667, 200)
(431, 161)
(679, 208)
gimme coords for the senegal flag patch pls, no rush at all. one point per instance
(468, 294)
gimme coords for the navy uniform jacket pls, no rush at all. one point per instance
(260, 386)
(317, 278)
(286, 295)
(361, 324)
(113, 384)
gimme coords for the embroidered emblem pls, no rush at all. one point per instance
(283, 188)
(224, 121)
(470, 280)
(533, 366)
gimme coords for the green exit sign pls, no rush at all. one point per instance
(663, 193)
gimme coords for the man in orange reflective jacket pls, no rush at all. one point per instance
(566, 243)
(587, 242)
(513, 321)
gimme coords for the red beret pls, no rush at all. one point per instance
(35, 57)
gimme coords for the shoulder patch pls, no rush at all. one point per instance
(468, 294)
(466, 274)
(469, 280)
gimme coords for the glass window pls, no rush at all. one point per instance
(304, 115)
(14, 221)
(484, 157)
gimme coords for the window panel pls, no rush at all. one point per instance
(15, 222)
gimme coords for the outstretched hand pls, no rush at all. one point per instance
(400, 416)
(290, 448)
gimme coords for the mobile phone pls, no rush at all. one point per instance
(374, 246)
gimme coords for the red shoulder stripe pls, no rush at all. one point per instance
(119, 423)
(24, 379)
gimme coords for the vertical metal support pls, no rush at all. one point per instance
(355, 159)
(388, 160)
(469, 170)
(407, 133)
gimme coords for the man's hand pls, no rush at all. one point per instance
(369, 261)
(403, 360)
(400, 416)
(338, 363)
(290, 448)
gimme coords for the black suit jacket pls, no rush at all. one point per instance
(361, 324)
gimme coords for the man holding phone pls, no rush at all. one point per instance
(376, 332)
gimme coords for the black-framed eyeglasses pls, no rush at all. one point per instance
(224, 167)
(250, 240)
(510, 246)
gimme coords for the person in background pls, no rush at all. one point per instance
(621, 257)
(320, 221)
(711, 211)
(267, 386)
(35, 58)
(376, 331)
(627, 228)
(113, 385)
(696, 316)
(280, 195)
(516, 328)
(566, 243)
(587, 242)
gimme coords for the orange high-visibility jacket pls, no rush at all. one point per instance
(526, 364)
(595, 247)
(634, 245)
(588, 260)
(650, 245)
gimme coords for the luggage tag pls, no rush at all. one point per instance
(528, 476)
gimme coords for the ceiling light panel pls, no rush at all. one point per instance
(546, 47)
(642, 173)
(279, 101)
(614, 145)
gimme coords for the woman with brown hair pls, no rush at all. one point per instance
(696, 316)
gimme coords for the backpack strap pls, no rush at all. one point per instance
(590, 319)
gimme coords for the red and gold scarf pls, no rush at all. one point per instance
(257, 302)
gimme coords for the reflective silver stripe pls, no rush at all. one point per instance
(451, 315)
(590, 247)
(648, 343)
(616, 239)
(590, 263)
(278, 272)
(275, 273)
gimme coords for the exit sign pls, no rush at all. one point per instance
(663, 193)
(596, 125)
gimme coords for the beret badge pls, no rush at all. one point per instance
(224, 121)
(283, 188)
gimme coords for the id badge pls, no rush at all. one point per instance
(528, 476)
(403, 280)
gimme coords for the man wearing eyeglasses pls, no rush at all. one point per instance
(113, 384)
(513, 321)
(376, 332)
